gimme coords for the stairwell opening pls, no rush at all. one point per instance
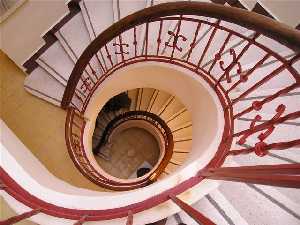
(195, 96)
(130, 135)
(128, 152)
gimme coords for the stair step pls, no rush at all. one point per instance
(42, 85)
(66, 35)
(160, 101)
(59, 67)
(97, 22)
(179, 158)
(181, 119)
(183, 131)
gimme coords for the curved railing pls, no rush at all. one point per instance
(75, 125)
(113, 49)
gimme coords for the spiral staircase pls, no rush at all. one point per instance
(219, 85)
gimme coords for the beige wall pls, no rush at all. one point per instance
(21, 32)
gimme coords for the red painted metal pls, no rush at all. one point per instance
(135, 42)
(146, 40)
(100, 63)
(219, 54)
(283, 175)
(102, 57)
(192, 45)
(129, 218)
(121, 44)
(258, 84)
(262, 126)
(93, 71)
(226, 101)
(243, 139)
(23, 216)
(235, 62)
(176, 37)
(2, 186)
(108, 55)
(196, 215)
(213, 33)
(159, 36)
(86, 85)
(274, 146)
(258, 105)
(260, 146)
(248, 73)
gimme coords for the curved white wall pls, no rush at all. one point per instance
(207, 118)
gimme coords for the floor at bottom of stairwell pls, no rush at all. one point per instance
(38, 124)
(129, 150)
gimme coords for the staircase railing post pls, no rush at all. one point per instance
(129, 218)
(81, 221)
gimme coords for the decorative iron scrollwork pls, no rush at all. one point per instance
(268, 130)
(175, 40)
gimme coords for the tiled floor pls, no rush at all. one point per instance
(130, 149)
(38, 124)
